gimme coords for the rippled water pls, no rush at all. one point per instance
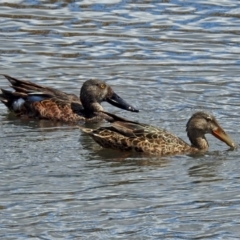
(168, 58)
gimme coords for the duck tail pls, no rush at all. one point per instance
(86, 130)
(114, 118)
(12, 100)
(21, 85)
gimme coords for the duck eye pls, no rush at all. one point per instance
(102, 85)
(209, 119)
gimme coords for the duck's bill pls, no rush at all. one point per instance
(117, 101)
(221, 135)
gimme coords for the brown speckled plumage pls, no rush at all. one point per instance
(128, 135)
(36, 101)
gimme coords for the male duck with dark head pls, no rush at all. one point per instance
(36, 101)
(133, 136)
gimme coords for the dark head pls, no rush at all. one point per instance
(202, 123)
(93, 92)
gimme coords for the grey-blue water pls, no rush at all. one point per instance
(169, 59)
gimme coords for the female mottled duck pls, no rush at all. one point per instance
(36, 101)
(128, 135)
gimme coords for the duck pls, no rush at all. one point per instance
(30, 100)
(126, 135)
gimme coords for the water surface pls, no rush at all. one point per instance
(169, 59)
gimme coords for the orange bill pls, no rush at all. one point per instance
(221, 135)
